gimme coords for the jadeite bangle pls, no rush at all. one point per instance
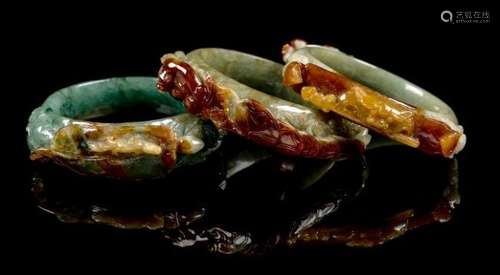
(244, 95)
(58, 131)
(375, 98)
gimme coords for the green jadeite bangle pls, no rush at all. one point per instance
(59, 131)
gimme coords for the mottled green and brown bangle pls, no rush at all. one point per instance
(379, 100)
(244, 95)
(58, 130)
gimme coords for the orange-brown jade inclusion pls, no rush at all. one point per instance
(254, 122)
(333, 92)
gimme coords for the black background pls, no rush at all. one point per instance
(56, 48)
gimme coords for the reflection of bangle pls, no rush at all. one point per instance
(240, 93)
(57, 130)
(326, 77)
